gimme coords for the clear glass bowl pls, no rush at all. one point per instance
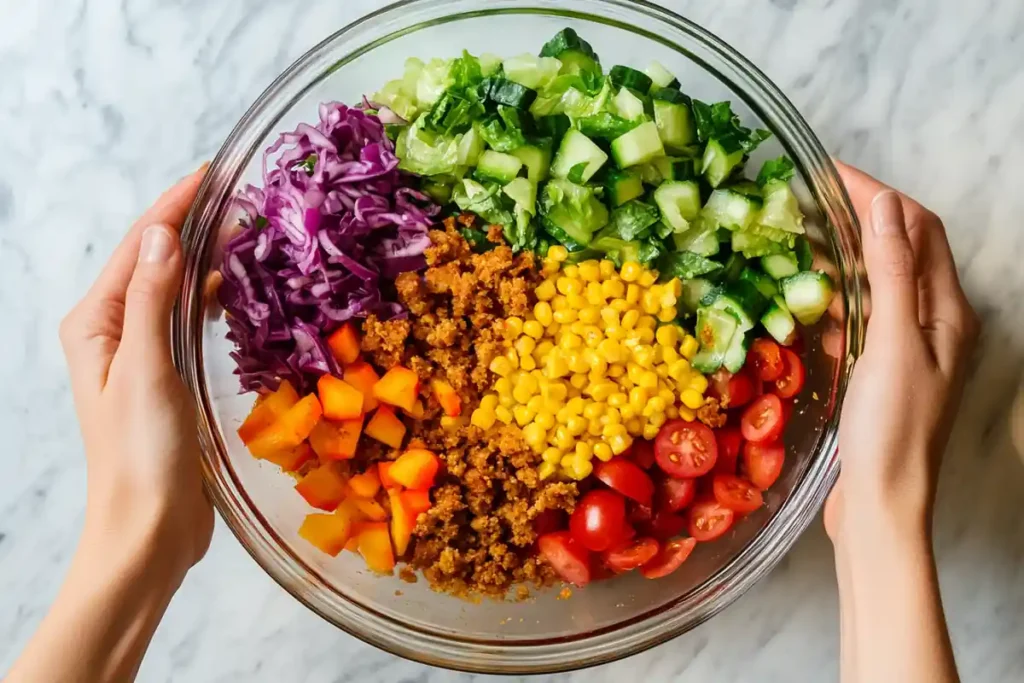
(607, 620)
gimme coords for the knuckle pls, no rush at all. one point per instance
(67, 331)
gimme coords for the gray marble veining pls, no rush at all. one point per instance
(103, 104)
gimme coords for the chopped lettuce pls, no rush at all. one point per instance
(780, 168)
(485, 200)
(619, 251)
(632, 221)
(571, 94)
(717, 121)
(572, 209)
(423, 152)
(504, 131)
(533, 72)
(606, 125)
(685, 265)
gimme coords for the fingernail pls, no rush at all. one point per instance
(203, 168)
(157, 246)
(887, 213)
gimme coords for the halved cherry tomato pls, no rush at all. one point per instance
(637, 554)
(791, 381)
(627, 478)
(675, 494)
(669, 559)
(685, 449)
(570, 559)
(763, 463)
(642, 453)
(549, 520)
(666, 524)
(638, 514)
(709, 519)
(729, 441)
(599, 521)
(731, 390)
(736, 493)
(765, 356)
(763, 421)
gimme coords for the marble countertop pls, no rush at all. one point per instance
(103, 104)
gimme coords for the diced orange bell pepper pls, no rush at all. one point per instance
(323, 488)
(375, 546)
(385, 427)
(418, 410)
(416, 501)
(289, 430)
(383, 471)
(362, 376)
(329, 533)
(266, 411)
(344, 343)
(292, 459)
(398, 387)
(370, 509)
(415, 469)
(366, 484)
(447, 397)
(336, 440)
(353, 544)
(341, 400)
(402, 522)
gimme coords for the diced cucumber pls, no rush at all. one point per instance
(755, 246)
(530, 71)
(720, 161)
(524, 193)
(764, 283)
(671, 95)
(808, 295)
(498, 166)
(698, 240)
(781, 209)
(553, 126)
(567, 39)
(510, 93)
(536, 159)
(577, 148)
(628, 77)
(679, 203)
(575, 63)
(732, 268)
(804, 253)
(715, 330)
(743, 301)
(439, 192)
(573, 210)
(780, 266)
(675, 124)
(736, 355)
(628, 105)
(779, 321)
(470, 147)
(660, 76)
(623, 185)
(637, 146)
(676, 168)
(728, 209)
(693, 291)
(650, 173)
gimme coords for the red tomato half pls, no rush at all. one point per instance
(627, 478)
(669, 559)
(642, 453)
(666, 525)
(549, 520)
(791, 381)
(766, 358)
(569, 558)
(632, 556)
(709, 519)
(638, 514)
(675, 494)
(599, 521)
(763, 463)
(762, 421)
(685, 449)
(729, 441)
(731, 390)
(736, 493)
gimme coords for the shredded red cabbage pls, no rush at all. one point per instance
(334, 222)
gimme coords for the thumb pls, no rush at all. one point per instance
(150, 298)
(889, 258)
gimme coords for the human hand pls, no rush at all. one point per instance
(906, 386)
(145, 493)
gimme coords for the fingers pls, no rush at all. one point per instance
(889, 258)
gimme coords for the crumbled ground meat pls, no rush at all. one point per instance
(711, 414)
(477, 538)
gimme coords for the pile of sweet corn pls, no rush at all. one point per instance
(598, 362)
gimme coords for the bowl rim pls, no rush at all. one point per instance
(588, 648)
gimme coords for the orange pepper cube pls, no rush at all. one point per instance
(371, 509)
(291, 429)
(366, 484)
(328, 533)
(341, 400)
(418, 410)
(375, 546)
(384, 472)
(385, 427)
(415, 469)
(403, 520)
(323, 488)
(447, 397)
(344, 344)
(292, 459)
(416, 501)
(398, 387)
(336, 440)
(267, 410)
(362, 376)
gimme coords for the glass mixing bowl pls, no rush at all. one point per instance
(607, 620)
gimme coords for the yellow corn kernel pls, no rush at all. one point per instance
(650, 302)
(644, 335)
(634, 371)
(545, 419)
(611, 416)
(672, 412)
(648, 278)
(661, 370)
(592, 293)
(536, 403)
(601, 391)
(667, 314)
(571, 271)
(528, 363)
(699, 383)
(593, 410)
(669, 355)
(568, 285)
(607, 269)
(545, 291)
(638, 398)
(576, 424)
(564, 438)
(613, 289)
(590, 270)
(578, 365)
(687, 414)
(569, 341)
(578, 328)
(584, 451)
(630, 318)
(657, 419)
(582, 470)
(667, 298)
(521, 394)
(610, 350)
(667, 396)
(658, 354)
(567, 462)
(577, 301)
(633, 294)
(558, 302)
(542, 312)
(489, 401)
(626, 384)
(691, 399)
(667, 335)
(555, 367)
(576, 405)
(650, 431)
(554, 391)
(503, 414)
(513, 327)
(501, 366)
(557, 253)
(542, 349)
(533, 329)
(649, 380)
(565, 316)
(674, 287)
(546, 470)
(655, 405)
(620, 443)
(533, 434)
(635, 426)
(551, 455)
(507, 400)
(620, 305)
(592, 336)
(610, 317)
(579, 380)
(590, 314)
(594, 428)
(484, 418)
(616, 370)
(523, 415)
(643, 355)
(647, 322)
(689, 346)
(503, 385)
(627, 413)
(631, 271)
(679, 370)
(549, 267)
(611, 430)
(618, 400)
(524, 346)
(602, 452)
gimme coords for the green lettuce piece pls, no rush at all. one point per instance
(572, 209)
(780, 168)
(423, 152)
(717, 121)
(605, 125)
(504, 131)
(485, 200)
(531, 71)
(685, 265)
(632, 221)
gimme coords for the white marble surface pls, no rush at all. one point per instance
(103, 104)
